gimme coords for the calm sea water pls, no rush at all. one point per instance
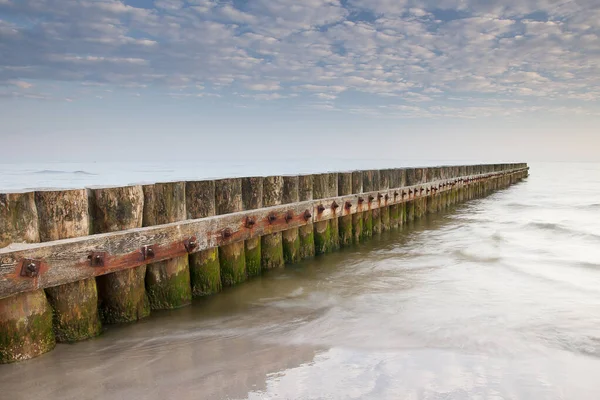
(498, 298)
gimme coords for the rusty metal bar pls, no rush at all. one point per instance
(27, 267)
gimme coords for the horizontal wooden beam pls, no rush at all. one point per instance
(26, 267)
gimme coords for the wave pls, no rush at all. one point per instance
(58, 172)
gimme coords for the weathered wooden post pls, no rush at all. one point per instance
(444, 195)
(410, 205)
(394, 208)
(271, 246)
(64, 215)
(25, 318)
(420, 201)
(332, 191)
(384, 211)
(232, 256)
(306, 232)
(376, 184)
(403, 195)
(252, 199)
(122, 294)
(291, 237)
(367, 201)
(322, 229)
(358, 218)
(167, 282)
(205, 271)
(344, 189)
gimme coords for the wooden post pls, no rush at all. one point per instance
(410, 205)
(322, 229)
(122, 294)
(205, 271)
(252, 199)
(332, 191)
(306, 232)
(167, 282)
(368, 186)
(357, 218)
(291, 237)
(271, 251)
(376, 182)
(65, 215)
(25, 318)
(420, 201)
(345, 222)
(384, 211)
(232, 257)
(402, 206)
(395, 208)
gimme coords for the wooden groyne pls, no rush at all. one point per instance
(73, 260)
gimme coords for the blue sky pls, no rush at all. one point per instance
(507, 80)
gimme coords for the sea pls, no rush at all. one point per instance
(495, 298)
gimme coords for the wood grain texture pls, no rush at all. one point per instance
(168, 283)
(122, 294)
(64, 214)
(25, 318)
(205, 271)
(252, 198)
(271, 245)
(232, 256)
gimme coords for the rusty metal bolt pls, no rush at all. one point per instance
(271, 218)
(403, 193)
(307, 215)
(410, 191)
(396, 194)
(335, 205)
(386, 197)
(250, 222)
(361, 200)
(379, 196)
(31, 268)
(371, 198)
(348, 205)
(320, 208)
(227, 233)
(289, 216)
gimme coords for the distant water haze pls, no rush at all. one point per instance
(497, 298)
(22, 176)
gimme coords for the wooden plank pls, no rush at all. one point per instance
(65, 261)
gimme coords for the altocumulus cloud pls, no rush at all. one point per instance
(403, 58)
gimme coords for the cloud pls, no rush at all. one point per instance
(391, 52)
(21, 84)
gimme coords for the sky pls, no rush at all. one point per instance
(511, 80)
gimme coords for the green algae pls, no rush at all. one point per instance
(233, 264)
(205, 273)
(252, 250)
(168, 284)
(271, 251)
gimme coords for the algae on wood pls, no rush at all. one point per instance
(122, 294)
(291, 237)
(205, 271)
(232, 257)
(25, 318)
(271, 245)
(167, 282)
(306, 232)
(65, 215)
